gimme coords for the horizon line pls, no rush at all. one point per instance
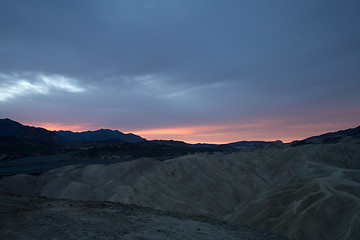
(206, 134)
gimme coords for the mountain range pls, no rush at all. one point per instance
(32, 150)
(12, 128)
(99, 135)
(307, 189)
(15, 130)
(17, 141)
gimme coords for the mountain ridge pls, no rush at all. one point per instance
(99, 135)
(9, 127)
(330, 137)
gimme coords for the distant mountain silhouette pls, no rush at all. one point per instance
(10, 128)
(248, 144)
(99, 135)
(331, 137)
(351, 132)
(17, 140)
(108, 146)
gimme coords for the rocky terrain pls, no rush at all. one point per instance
(305, 192)
(308, 189)
(43, 218)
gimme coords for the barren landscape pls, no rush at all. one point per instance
(305, 192)
(206, 119)
(44, 218)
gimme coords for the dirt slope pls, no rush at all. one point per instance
(304, 192)
(41, 218)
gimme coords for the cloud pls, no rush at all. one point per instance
(23, 84)
(166, 87)
(136, 64)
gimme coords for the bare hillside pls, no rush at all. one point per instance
(304, 192)
(42, 218)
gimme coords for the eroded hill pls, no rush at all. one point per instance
(303, 192)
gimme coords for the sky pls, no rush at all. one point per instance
(212, 71)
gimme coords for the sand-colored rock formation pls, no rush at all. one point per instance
(303, 192)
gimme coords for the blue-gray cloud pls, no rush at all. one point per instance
(167, 63)
(31, 83)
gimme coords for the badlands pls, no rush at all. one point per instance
(308, 191)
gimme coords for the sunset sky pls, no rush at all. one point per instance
(211, 71)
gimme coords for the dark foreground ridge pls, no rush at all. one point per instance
(44, 218)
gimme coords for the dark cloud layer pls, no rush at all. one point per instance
(136, 64)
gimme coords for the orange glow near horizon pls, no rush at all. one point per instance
(269, 130)
(205, 134)
(264, 130)
(62, 126)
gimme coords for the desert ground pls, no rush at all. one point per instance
(304, 192)
(44, 218)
